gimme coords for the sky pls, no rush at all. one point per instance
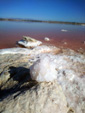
(56, 10)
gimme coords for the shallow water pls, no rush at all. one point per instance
(11, 32)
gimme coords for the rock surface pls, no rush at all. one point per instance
(41, 98)
(19, 93)
(29, 42)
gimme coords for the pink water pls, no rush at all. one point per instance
(11, 32)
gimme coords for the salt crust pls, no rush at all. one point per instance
(46, 39)
(36, 50)
(15, 51)
(65, 69)
(47, 65)
(43, 70)
(68, 70)
(29, 44)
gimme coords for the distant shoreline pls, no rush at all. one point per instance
(43, 21)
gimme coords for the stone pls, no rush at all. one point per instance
(41, 98)
(29, 42)
(46, 39)
(27, 38)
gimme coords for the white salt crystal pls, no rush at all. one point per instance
(43, 70)
(46, 39)
(29, 44)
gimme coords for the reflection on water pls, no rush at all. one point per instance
(10, 32)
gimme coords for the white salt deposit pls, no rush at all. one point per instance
(68, 72)
(15, 51)
(49, 67)
(32, 52)
(68, 69)
(43, 70)
(29, 44)
(46, 39)
(44, 49)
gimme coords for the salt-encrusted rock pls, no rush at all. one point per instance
(19, 93)
(29, 42)
(43, 70)
(27, 38)
(18, 59)
(41, 98)
(45, 49)
(32, 52)
(15, 51)
(69, 71)
(46, 39)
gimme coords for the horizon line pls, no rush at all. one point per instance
(43, 21)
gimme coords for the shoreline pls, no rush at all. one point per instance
(76, 46)
(42, 21)
(78, 50)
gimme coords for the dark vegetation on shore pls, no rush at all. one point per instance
(43, 21)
